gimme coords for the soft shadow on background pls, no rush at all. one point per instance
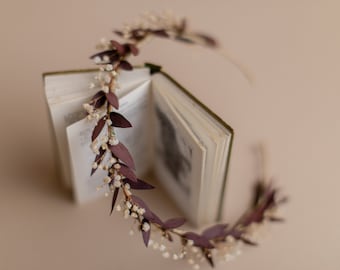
(292, 51)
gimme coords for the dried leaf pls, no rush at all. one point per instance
(100, 102)
(119, 47)
(119, 120)
(149, 215)
(98, 159)
(276, 219)
(125, 65)
(97, 96)
(114, 199)
(160, 33)
(199, 240)
(216, 231)
(103, 53)
(132, 48)
(127, 172)
(139, 184)
(98, 128)
(112, 99)
(174, 223)
(182, 26)
(119, 33)
(208, 40)
(247, 241)
(121, 152)
(208, 256)
(184, 39)
(146, 237)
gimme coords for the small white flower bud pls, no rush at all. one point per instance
(97, 59)
(118, 177)
(117, 183)
(128, 204)
(126, 213)
(146, 227)
(112, 160)
(109, 67)
(134, 215)
(105, 88)
(107, 179)
(114, 141)
(141, 211)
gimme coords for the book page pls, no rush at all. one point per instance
(212, 134)
(66, 92)
(179, 156)
(135, 107)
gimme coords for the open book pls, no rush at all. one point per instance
(184, 144)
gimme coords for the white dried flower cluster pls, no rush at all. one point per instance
(136, 212)
(152, 21)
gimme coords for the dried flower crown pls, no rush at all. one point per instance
(221, 240)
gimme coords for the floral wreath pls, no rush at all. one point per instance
(218, 241)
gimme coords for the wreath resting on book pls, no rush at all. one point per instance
(218, 241)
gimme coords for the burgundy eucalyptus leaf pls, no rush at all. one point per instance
(155, 219)
(247, 241)
(174, 223)
(97, 96)
(125, 65)
(199, 240)
(98, 159)
(235, 233)
(139, 184)
(146, 237)
(216, 231)
(98, 128)
(119, 47)
(168, 236)
(149, 215)
(121, 152)
(119, 33)
(103, 53)
(100, 102)
(119, 120)
(114, 58)
(112, 99)
(259, 191)
(184, 39)
(133, 49)
(182, 27)
(114, 199)
(276, 219)
(160, 33)
(127, 172)
(208, 256)
(208, 40)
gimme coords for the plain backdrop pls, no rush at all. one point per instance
(290, 48)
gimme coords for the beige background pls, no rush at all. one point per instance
(292, 50)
